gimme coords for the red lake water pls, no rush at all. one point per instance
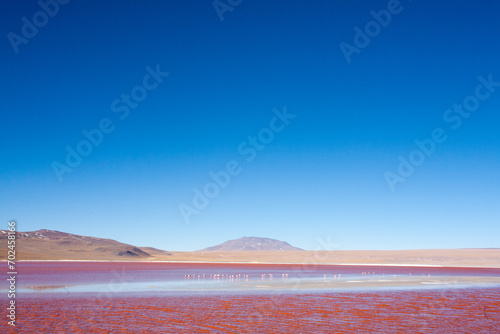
(99, 297)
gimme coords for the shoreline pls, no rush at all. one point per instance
(436, 258)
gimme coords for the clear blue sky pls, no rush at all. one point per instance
(322, 177)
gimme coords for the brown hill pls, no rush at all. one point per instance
(155, 251)
(251, 244)
(55, 245)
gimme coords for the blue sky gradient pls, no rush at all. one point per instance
(321, 178)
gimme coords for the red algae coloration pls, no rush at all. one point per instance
(127, 300)
(423, 311)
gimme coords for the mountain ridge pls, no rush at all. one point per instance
(251, 244)
(56, 245)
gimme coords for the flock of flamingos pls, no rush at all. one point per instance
(264, 276)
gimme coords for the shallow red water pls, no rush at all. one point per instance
(423, 311)
(408, 310)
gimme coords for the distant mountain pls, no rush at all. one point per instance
(56, 245)
(251, 244)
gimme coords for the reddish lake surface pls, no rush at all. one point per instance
(158, 298)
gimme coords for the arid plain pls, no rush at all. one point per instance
(54, 245)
